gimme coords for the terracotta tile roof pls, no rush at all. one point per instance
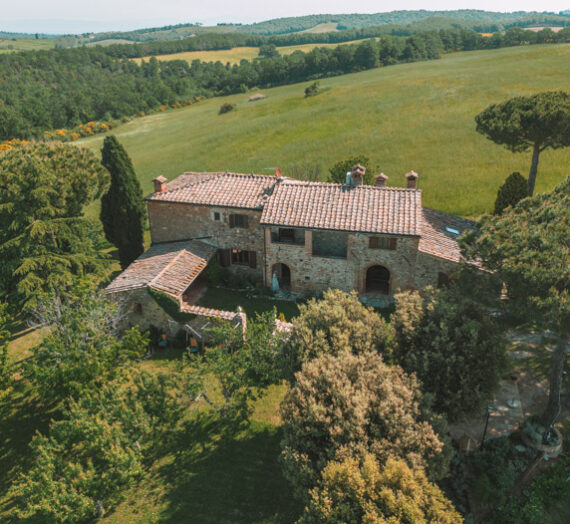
(208, 312)
(365, 209)
(169, 267)
(438, 241)
(218, 189)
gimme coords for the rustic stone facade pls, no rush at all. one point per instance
(170, 222)
(312, 273)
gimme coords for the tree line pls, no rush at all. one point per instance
(43, 90)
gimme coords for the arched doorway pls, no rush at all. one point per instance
(283, 274)
(378, 280)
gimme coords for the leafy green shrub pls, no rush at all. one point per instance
(169, 305)
(353, 492)
(337, 323)
(546, 490)
(82, 465)
(213, 273)
(443, 337)
(226, 108)
(495, 470)
(514, 189)
(339, 170)
(312, 90)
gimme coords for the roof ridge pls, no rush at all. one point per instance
(337, 184)
(166, 267)
(212, 174)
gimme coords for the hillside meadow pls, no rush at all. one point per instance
(236, 54)
(416, 116)
(7, 45)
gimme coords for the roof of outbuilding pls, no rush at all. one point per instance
(169, 267)
(436, 240)
(339, 207)
(218, 189)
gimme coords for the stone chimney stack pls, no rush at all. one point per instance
(159, 184)
(412, 178)
(358, 172)
(380, 180)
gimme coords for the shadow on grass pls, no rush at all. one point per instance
(220, 477)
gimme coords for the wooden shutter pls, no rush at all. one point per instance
(245, 221)
(224, 257)
(392, 243)
(232, 221)
(252, 259)
(373, 244)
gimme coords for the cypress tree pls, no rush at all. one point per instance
(122, 207)
(514, 189)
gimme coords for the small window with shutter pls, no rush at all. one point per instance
(239, 221)
(382, 243)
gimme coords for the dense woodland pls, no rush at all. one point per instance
(43, 90)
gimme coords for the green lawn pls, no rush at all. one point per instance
(229, 300)
(412, 116)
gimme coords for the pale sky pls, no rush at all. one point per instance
(98, 15)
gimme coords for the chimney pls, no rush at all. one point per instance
(358, 172)
(412, 178)
(380, 180)
(159, 184)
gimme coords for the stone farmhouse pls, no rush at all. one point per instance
(302, 237)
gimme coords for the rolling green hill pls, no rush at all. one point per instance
(413, 116)
(484, 21)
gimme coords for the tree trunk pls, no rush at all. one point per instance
(533, 169)
(556, 371)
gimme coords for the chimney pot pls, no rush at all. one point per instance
(358, 172)
(412, 178)
(380, 180)
(159, 184)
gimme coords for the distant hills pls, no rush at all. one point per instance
(482, 21)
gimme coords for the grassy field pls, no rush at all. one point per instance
(236, 54)
(416, 116)
(25, 44)
(322, 28)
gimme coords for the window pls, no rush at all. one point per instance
(285, 235)
(137, 309)
(239, 221)
(382, 243)
(216, 215)
(239, 257)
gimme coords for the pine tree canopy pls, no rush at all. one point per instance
(534, 122)
(122, 207)
(44, 240)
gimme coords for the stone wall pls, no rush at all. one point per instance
(428, 268)
(176, 221)
(138, 308)
(311, 274)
